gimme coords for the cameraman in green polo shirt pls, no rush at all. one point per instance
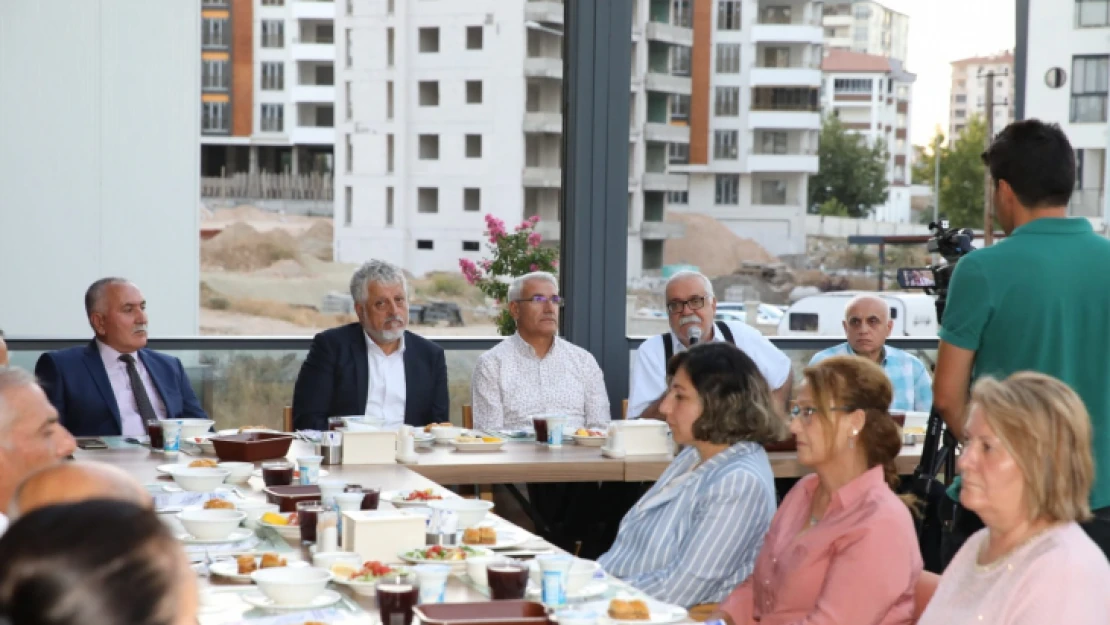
(1038, 300)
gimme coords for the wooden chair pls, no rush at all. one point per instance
(467, 416)
(287, 419)
(481, 491)
(701, 613)
(624, 409)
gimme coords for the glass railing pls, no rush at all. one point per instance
(249, 381)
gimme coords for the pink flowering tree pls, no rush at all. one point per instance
(512, 254)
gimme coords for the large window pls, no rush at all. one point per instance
(1092, 13)
(214, 32)
(680, 107)
(728, 58)
(728, 189)
(678, 153)
(273, 118)
(1089, 87)
(273, 76)
(770, 192)
(680, 60)
(725, 144)
(727, 102)
(728, 14)
(214, 118)
(273, 34)
(853, 85)
(214, 75)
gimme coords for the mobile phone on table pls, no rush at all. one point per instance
(91, 443)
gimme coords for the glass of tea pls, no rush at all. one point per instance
(397, 596)
(507, 578)
(336, 423)
(540, 425)
(277, 473)
(370, 498)
(154, 431)
(308, 512)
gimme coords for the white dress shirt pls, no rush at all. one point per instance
(512, 383)
(131, 422)
(385, 390)
(3, 523)
(649, 371)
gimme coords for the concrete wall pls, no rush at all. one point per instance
(99, 160)
(817, 226)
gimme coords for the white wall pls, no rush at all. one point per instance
(99, 160)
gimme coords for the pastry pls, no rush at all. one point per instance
(203, 463)
(631, 610)
(246, 564)
(272, 561)
(472, 536)
(218, 504)
(488, 536)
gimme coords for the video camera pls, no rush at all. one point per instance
(952, 244)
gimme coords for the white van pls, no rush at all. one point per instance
(914, 314)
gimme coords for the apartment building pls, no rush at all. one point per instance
(267, 86)
(968, 92)
(866, 27)
(1067, 81)
(871, 96)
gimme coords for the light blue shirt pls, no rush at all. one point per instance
(696, 534)
(913, 388)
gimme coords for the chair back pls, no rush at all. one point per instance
(624, 409)
(287, 419)
(468, 416)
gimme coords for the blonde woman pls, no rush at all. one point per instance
(1027, 472)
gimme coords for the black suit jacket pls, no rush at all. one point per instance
(77, 384)
(334, 379)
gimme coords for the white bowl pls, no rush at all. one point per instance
(255, 509)
(581, 572)
(215, 524)
(199, 479)
(325, 559)
(470, 511)
(476, 569)
(446, 433)
(191, 428)
(291, 585)
(240, 472)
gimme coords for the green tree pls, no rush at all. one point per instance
(850, 171)
(961, 174)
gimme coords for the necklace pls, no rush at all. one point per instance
(1000, 560)
(813, 520)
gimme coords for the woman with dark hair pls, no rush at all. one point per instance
(842, 548)
(97, 562)
(695, 534)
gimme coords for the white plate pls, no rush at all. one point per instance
(235, 536)
(589, 441)
(479, 552)
(229, 569)
(506, 538)
(660, 612)
(296, 475)
(291, 533)
(366, 589)
(471, 447)
(398, 501)
(591, 590)
(322, 600)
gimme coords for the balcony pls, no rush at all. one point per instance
(314, 93)
(669, 133)
(784, 120)
(787, 33)
(661, 230)
(313, 9)
(549, 230)
(654, 181)
(543, 67)
(668, 33)
(543, 122)
(544, 11)
(313, 52)
(313, 135)
(785, 77)
(793, 163)
(668, 83)
(543, 177)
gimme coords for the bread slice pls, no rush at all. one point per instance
(629, 610)
(488, 536)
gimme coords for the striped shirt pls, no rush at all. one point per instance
(913, 388)
(695, 535)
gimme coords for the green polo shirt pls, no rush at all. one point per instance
(1039, 300)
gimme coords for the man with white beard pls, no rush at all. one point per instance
(691, 307)
(373, 367)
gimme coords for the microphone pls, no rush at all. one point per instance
(693, 335)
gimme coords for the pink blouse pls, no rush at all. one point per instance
(858, 565)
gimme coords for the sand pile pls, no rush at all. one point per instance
(711, 246)
(317, 240)
(240, 247)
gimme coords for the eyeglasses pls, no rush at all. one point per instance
(675, 306)
(555, 300)
(805, 413)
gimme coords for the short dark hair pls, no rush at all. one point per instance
(736, 399)
(96, 289)
(1037, 161)
(96, 561)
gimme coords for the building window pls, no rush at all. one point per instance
(473, 92)
(724, 144)
(680, 108)
(678, 153)
(728, 14)
(728, 102)
(427, 200)
(473, 37)
(214, 75)
(424, 244)
(961, 98)
(474, 146)
(428, 93)
(429, 39)
(389, 154)
(775, 15)
(273, 76)
(273, 34)
(273, 117)
(959, 113)
(784, 99)
(214, 32)
(273, 3)
(1092, 13)
(1089, 77)
(350, 105)
(389, 99)
(428, 147)
(771, 142)
(902, 120)
(348, 205)
(472, 200)
(389, 41)
(728, 58)
(680, 60)
(350, 156)
(852, 85)
(771, 192)
(214, 117)
(389, 206)
(470, 246)
(728, 189)
(348, 47)
(682, 14)
(678, 197)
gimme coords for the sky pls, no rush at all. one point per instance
(942, 31)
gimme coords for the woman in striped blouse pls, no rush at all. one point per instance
(695, 535)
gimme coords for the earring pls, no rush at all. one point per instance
(852, 439)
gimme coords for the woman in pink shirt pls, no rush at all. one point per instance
(1027, 472)
(842, 547)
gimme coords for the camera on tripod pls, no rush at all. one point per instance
(952, 244)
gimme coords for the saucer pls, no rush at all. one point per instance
(322, 600)
(235, 536)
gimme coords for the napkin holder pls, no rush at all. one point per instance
(370, 447)
(640, 437)
(382, 534)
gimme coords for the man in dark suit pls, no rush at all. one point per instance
(374, 367)
(114, 385)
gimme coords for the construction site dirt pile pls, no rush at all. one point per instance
(240, 247)
(711, 246)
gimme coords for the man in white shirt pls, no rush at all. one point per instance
(30, 435)
(534, 371)
(691, 308)
(374, 367)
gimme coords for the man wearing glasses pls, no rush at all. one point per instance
(534, 371)
(867, 325)
(691, 307)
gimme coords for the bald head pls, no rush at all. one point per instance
(77, 481)
(867, 325)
